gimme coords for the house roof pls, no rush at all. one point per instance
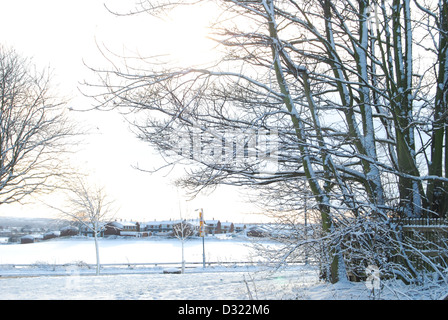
(69, 228)
(89, 226)
(166, 222)
(122, 224)
(226, 224)
(211, 222)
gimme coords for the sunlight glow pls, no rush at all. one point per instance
(185, 36)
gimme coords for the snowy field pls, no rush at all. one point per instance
(59, 271)
(134, 250)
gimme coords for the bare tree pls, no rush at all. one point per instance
(34, 130)
(358, 113)
(91, 208)
(183, 230)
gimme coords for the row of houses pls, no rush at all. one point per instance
(142, 229)
(133, 229)
(162, 228)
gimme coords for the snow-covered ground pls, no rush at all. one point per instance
(124, 250)
(49, 278)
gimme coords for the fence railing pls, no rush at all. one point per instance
(129, 265)
(17, 269)
(425, 242)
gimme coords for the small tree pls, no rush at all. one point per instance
(182, 231)
(90, 207)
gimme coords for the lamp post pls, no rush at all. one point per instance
(202, 233)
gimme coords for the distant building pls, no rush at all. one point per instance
(113, 228)
(87, 229)
(257, 232)
(227, 227)
(51, 235)
(126, 228)
(213, 226)
(161, 227)
(239, 227)
(27, 239)
(69, 231)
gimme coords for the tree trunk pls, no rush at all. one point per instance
(319, 194)
(437, 191)
(97, 252)
(183, 258)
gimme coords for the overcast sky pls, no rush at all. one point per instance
(63, 35)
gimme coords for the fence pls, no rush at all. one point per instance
(81, 268)
(425, 242)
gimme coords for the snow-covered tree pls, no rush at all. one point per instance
(347, 97)
(183, 230)
(90, 207)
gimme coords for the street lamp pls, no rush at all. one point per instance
(202, 233)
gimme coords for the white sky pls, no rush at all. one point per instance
(63, 34)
